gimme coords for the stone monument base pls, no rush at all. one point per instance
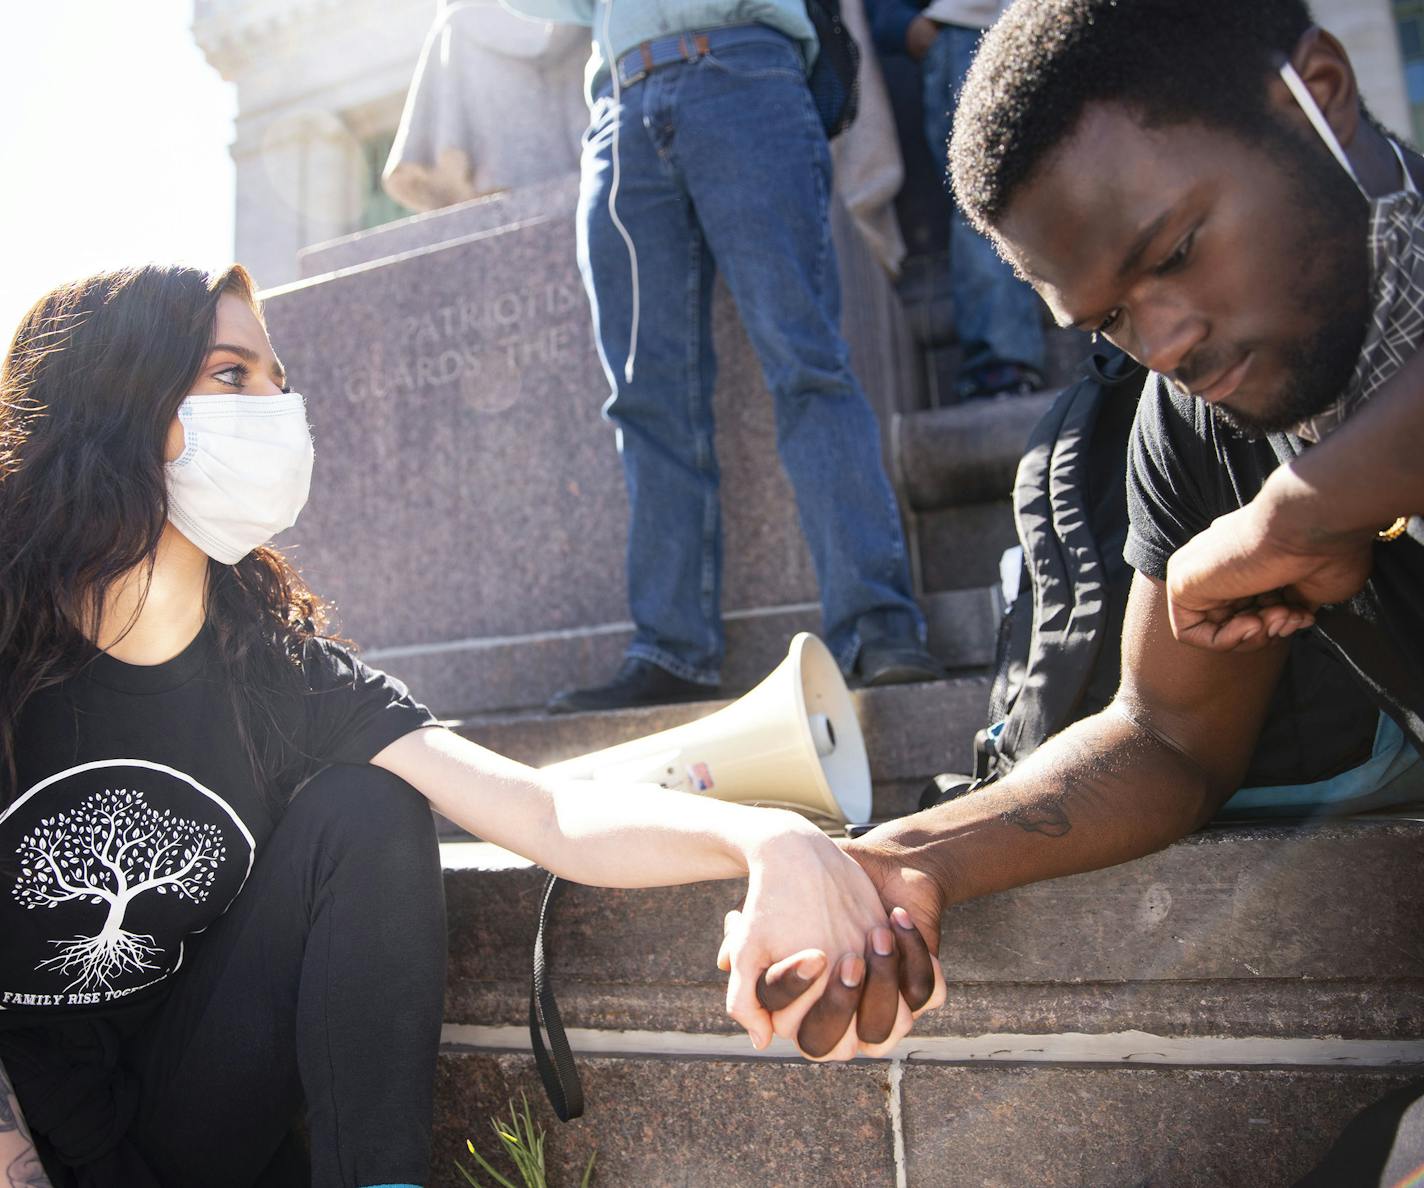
(468, 516)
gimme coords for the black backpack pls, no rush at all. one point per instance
(835, 78)
(1058, 655)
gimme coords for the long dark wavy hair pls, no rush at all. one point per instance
(88, 390)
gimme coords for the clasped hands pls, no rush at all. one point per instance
(860, 993)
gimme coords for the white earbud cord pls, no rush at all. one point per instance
(1317, 118)
(613, 188)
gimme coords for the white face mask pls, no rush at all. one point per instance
(244, 472)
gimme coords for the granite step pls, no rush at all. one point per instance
(516, 676)
(954, 472)
(713, 1122)
(1208, 1015)
(924, 291)
(958, 548)
(942, 362)
(912, 732)
(966, 453)
(1241, 932)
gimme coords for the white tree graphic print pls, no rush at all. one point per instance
(108, 851)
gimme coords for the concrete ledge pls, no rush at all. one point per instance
(722, 1121)
(495, 674)
(514, 673)
(963, 625)
(911, 731)
(1137, 1048)
(733, 1124)
(1234, 932)
(1126, 1128)
(966, 453)
(959, 547)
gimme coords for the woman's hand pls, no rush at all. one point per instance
(806, 900)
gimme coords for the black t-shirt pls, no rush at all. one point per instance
(136, 816)
(1186, 469)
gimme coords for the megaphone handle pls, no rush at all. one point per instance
(556, 1063)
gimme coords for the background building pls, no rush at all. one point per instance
(321, 84)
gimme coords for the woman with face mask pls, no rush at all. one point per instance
(220, 893)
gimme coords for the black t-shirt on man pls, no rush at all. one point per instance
(1186, 468)
(136, 817)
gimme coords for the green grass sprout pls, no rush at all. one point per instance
(523, 1144)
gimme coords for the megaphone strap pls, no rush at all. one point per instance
(556, 1062)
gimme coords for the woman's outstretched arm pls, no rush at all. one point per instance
(19, 1161)
(803, 892)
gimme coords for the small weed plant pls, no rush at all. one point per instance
(523, 1143)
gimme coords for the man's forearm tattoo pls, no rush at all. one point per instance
(1047, 818)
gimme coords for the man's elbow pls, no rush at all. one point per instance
(1190, 786)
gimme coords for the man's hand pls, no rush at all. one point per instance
(1259, 573)
(919, 36)
(915, 902)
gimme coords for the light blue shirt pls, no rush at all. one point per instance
(632, 22)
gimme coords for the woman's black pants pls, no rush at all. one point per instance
(320, 990)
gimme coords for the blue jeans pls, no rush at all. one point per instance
(724, 164)
(996, 316)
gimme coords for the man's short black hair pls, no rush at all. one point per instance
(1170, 61)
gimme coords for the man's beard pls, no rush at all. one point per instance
(1333, 287)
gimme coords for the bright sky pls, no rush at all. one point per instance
(114, 135)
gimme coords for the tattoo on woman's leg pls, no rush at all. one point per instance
(10, 1116)
(27, 1172)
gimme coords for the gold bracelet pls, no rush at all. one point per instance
(1395, 530)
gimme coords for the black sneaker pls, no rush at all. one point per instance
(895, 663)
(639, 682)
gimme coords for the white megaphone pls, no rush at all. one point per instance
(792, 742)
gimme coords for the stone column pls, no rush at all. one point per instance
(313, 78)
(300, 180)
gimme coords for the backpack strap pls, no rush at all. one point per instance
(1053, 518)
